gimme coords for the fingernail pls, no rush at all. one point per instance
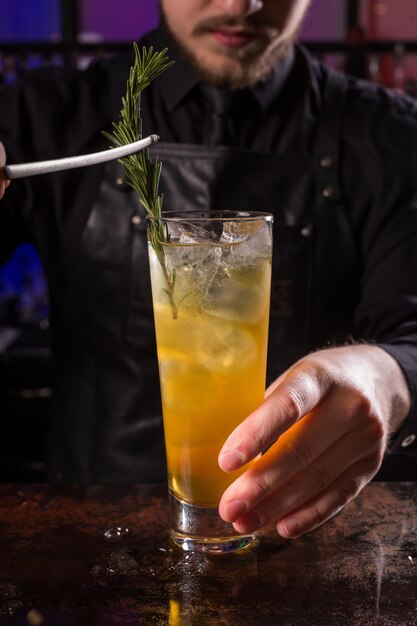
(291, 526)
(230, 460)
(233, 510)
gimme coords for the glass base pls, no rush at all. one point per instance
(198, 528)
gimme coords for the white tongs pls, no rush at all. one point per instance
(56, 165)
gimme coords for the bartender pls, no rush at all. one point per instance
(248, 120)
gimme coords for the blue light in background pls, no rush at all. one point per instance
(22, 278)
(34, 20)
(23, 285)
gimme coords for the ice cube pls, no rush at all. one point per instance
(244, 296)
(184, 382)
(223, 348)
(234, 233)
(190, 398)
(191, 234)
(256, 240)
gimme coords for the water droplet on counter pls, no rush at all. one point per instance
(11, 608)
(114, 564)
(10, 598)
(29, 497)
(29, 503)
(51, 503)
(22, 494)
(8, 589)
(411, 559)
(116, 534)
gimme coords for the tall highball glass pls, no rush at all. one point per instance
(211, 276)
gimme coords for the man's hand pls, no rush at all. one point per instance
(4, 182)
(325, 425)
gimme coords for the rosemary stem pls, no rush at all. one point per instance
(143, 174)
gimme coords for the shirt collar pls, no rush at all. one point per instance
(181, 79)
(266, 92)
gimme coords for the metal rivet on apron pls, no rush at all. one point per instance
(120, 181)
(408, 441)
(136, 220)
(326, 161)
(328, 192)
(306, 231)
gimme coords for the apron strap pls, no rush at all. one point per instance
(337, 271)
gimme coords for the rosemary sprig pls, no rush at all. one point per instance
(142, 173)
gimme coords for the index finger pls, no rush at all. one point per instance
(302, 389)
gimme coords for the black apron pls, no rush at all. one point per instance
(108, 421)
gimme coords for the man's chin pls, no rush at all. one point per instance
(231, 70)
(221, 70)
(235, 73)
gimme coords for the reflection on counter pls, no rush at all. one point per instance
(58, 561)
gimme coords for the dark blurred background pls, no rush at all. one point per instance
(372, 39)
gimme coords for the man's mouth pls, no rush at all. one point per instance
(232, 37)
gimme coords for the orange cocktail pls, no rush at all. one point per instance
(211, 289)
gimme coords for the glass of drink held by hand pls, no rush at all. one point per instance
(211, 276)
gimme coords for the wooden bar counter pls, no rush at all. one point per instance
(101, 555)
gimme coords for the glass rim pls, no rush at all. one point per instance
(215, 215)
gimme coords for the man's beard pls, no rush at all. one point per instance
(245, 66)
